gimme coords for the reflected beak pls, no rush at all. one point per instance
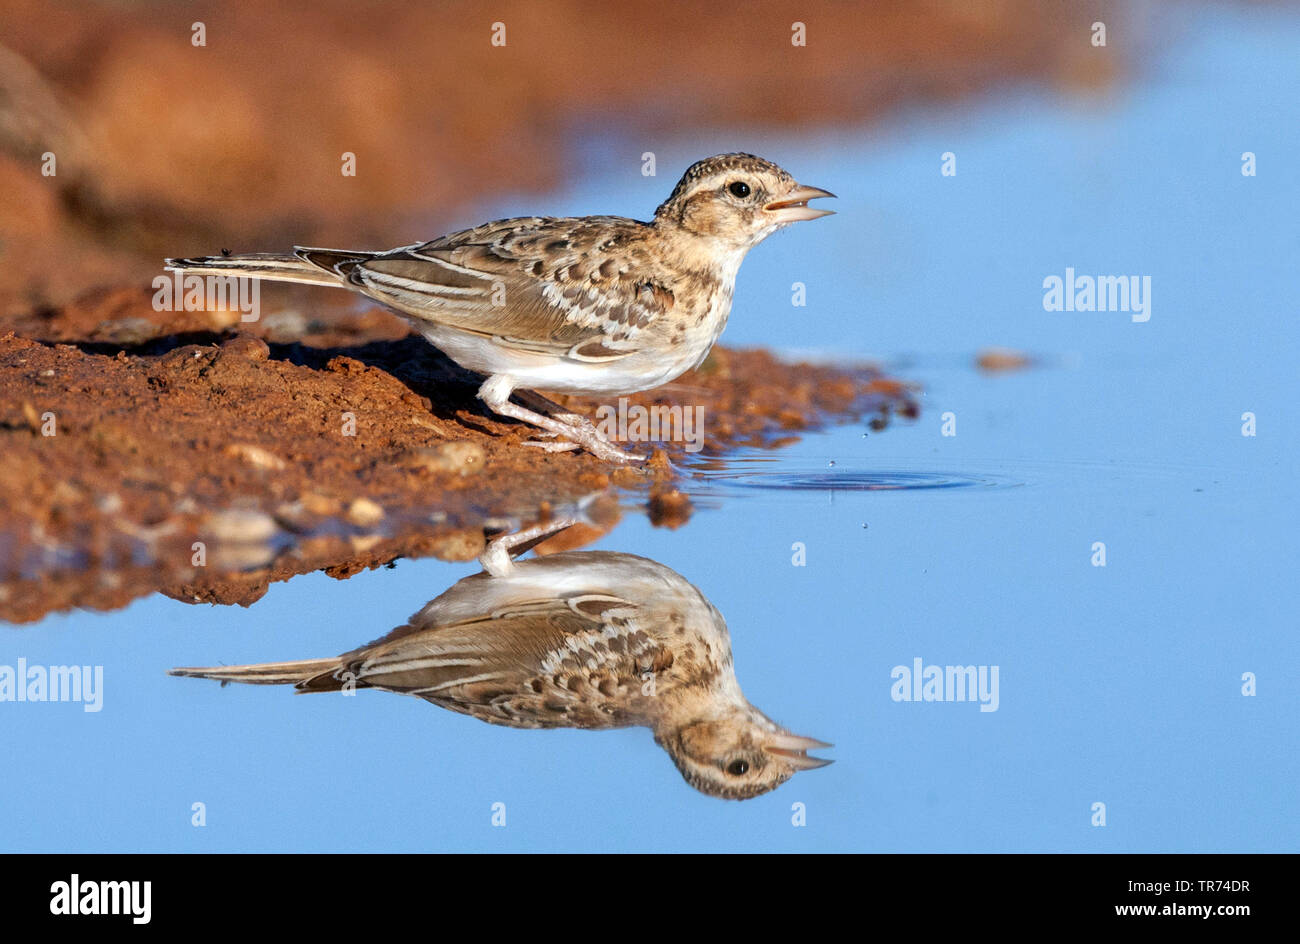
(793, 748)
(793, 207)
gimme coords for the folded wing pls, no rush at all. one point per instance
(578, 288)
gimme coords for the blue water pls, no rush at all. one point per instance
(1119, 685)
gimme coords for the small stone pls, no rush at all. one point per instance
(219, 319)
(246, 346)
(127, 331)
(458, 545)
(461, 457)
(995, 359)
(364, 512)
(239, 526)
(255, 456)
(109, 504)
(669, 508)
(320, 505)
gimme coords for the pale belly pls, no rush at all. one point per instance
(640, 370)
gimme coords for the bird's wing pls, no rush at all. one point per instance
(489, 666)
(582, 288)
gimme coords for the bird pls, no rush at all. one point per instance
(594, 305)
(576, 639)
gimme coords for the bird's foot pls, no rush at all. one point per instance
(495, 392)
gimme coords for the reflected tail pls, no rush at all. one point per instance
(266, 673)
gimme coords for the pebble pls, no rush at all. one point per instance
(246, 346)
(256, 456)
(364, 512)
(239, 526)
(461, 457)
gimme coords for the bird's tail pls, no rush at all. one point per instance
(306, 265)
(307, 674)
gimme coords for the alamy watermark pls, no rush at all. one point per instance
(1129, 293)
(655, 423)
(39, 683)
(947, 683)
(80, 897)
(193, 292)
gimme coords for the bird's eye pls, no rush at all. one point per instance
(739, 188)
(738, 768)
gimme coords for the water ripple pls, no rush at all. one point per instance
(859, 480)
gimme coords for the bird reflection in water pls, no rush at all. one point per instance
(578, 639)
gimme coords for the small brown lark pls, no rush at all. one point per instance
(580, 639)
(596, 305)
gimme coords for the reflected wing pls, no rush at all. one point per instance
(503, 666)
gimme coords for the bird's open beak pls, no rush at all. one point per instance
(794, 748)
(793, 207)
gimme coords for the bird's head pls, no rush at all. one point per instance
(738, 200)
(739, 755)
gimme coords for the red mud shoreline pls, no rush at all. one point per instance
(126, 435)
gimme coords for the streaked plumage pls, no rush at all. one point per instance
(582, 305)
(574, 640)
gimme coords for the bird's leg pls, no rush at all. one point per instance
(496, 391)
(501, 551)
(536, 401)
